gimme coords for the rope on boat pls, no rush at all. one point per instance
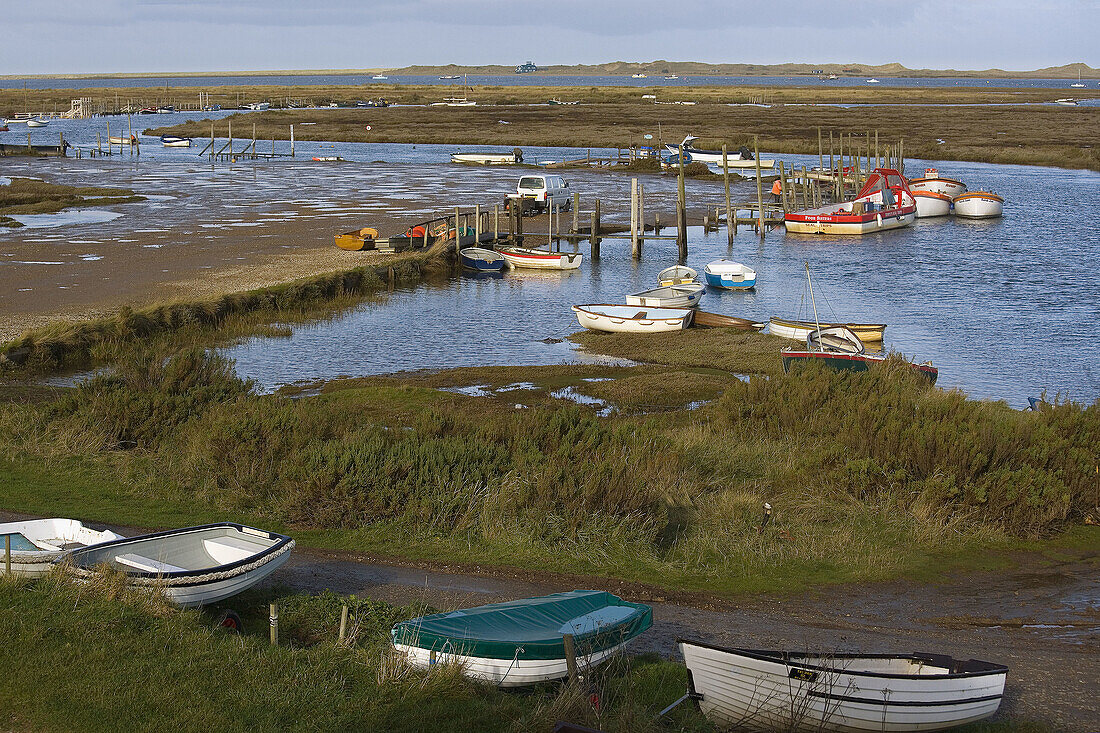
(519, 650)
(165, 580)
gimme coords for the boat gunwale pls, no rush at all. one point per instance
(782, 657)
(979, 194)
(583, 308)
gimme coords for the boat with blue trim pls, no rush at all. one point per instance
(480, 259)
(729, 275)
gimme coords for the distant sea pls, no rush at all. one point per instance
(528, 80)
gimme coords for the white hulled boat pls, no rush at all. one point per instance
(933, 181)
(884, 202)
(541, 259)
(36, 544)
(632, 318)
(931, 204)
(669, 296)
(979, 205)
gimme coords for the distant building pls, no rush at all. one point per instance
(526, 68)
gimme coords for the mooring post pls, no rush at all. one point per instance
(641, 216)
(7, 554)
(211, 141)
(496, 222)
(759, 186)
(820, 151)
(576, 211)
(231, 138)
(594, 237)
(253, 156)
(783, 186)
(901, 156)
(570, 656)
(726, 185)
(292, 141)
(518, 206)
(477, 225)
(634, 218)
(343, 623)
(273, 618)
(681, 211)
(458, 234)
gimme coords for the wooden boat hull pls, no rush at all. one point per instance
(670, 296)
(482, 260)
(979, 205)
(37, 544)
(541, 259)
(841, 693)
(194, 566)
(717, 320)
(113, 140)
(799, 330)
(847, 362)
(632, 319)
(931, 204)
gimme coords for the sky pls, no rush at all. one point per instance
(110, 36)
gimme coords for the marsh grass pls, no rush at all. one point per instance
(29, 196)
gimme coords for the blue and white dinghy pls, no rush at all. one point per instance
(193, 566)
(522, 642)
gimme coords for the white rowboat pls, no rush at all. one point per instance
(669, 296)
(485, 158)
(541, 259)
(632, 318)
(979, 205)
(677, 275)
(193, 566)
(840, 693)
(37, 543)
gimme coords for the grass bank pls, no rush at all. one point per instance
(29, 196)
(1032, 135)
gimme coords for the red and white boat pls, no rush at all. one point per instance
(540, 259)
(932, 203)
(979, 205)
(884, 202)
(933, 181)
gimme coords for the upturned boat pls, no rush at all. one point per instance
(717, 320)
(36, 544)
(523, 642)
(669, 296)
(766, 690)
(632, 318)
(729, 275)
(541, 259)
(193, 566)
(931, 204)
(677, 275)
(884, 202)
(480, 259)
(979, 205)
(799, 330)
(933, 181)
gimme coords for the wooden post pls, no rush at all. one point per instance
(594, 234)
(253, 141)
(783, 186)
(901, 156)
(496, 222)
(231, 137)
(273, 619)
(343, 623)
(7, 554)
(211, 141)
(820, 151)
(641, 215)
(477, 225)
(634, 218)
(517, 206)
(570, 656)
(726, 186)
(458, 234)
(292, 141)
(878, 163)
(681, 211)
(576, 211)
(759, 186)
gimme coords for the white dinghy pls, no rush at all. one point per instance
(194, 566)
(677, 275)
(669, 296)
(840, 693)
(37, 543)
(632, 318)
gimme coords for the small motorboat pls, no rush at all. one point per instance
(522, 642)
(872, 81)
(541, 259)
(933, 181)
(379, 77)
(1066, 102)
(740, 158)
(632, 318)
(979, 205)
(38, 543)
(482, 260)
(677, 275)
(174, 141)
(763, 690)
(40, 122)
(488, 158)
(729, 275)
(884, 202)
(931, 204)
(147, 111)
(717, 320)
(669, 296)
(799, 330)
(193, 566)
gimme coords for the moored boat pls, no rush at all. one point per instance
(174, 141)
(933, 181)
(717, 320)
(884, 202)
(193, 566)
(835, 338)
(799, 330)
(677, 275)
(979, 205)
(632, 318)
(729, 275)
(481, 259)
(522, 642)
(740, 158)
(669, 296)
(765, 690)
(40, 122)
(931, 204)
(36, 544)
(541, 259)
(488, 158)
(120, 140)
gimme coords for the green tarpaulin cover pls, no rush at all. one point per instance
(530, 628)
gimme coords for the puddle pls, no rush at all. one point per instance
(473, 390)
(65, 218)
(570, 393)
(517, 385)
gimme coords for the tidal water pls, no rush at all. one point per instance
(1005, 308)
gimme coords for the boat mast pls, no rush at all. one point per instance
(814, 302)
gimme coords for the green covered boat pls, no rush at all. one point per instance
(523, 642)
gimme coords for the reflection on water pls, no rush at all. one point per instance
(1005, 308)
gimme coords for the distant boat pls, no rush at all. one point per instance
(487, 158)
(327, 158)
(147, 111)
(669, 296)
(521, 642)
(194, 566)
(36, 544)
(120, 140)
(1066, 102)
(979, 205)
(541, 259)
(258, 106)
(832, 77)
(676, 275)
(37, 122)
(755, 689)
(717, 320)
(451, 76)
(740, 158)
(482, 260)
(931, 204)
(526, 68)
(632, 318)
(872, 81)
(165, 109)
(933, 181)
(638, 76)
(1079, 84)
(174, 141)
(380, 77)
(729, 275)
(672, 77)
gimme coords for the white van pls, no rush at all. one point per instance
(544, 192)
